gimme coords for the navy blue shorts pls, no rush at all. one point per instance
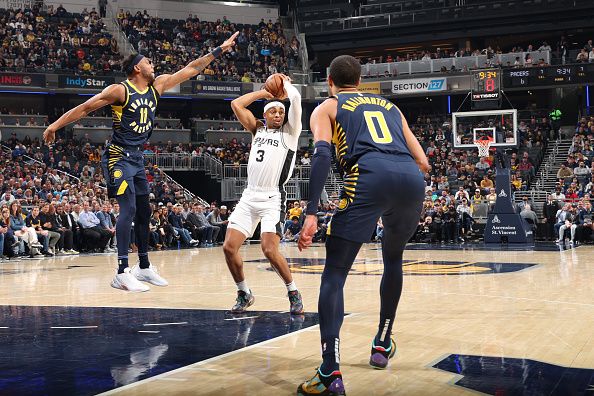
(124, 171)
(391, 187)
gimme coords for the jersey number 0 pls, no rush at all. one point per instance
(386, 136)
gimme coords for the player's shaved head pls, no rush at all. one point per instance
(345, 71)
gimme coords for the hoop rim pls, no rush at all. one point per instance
(483, 144)
(484, 141)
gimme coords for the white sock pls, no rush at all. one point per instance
(291, 286)
(243, 286)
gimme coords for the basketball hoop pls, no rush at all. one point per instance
(483, 144)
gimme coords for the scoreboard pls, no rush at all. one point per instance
(549, 76)
(485, 85)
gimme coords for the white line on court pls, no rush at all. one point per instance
(4, 327)
(73, 327)
(165, 324)
(195, 366)
(245, 317)
(149, 331)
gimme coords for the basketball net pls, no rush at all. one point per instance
(483, 144)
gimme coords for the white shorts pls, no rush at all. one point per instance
(255, 207)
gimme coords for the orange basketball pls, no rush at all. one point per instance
(275, 85)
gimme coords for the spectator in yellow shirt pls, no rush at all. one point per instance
(486, 183)
(295, 211)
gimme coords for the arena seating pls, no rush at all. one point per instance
(261, 49)
(56, 41)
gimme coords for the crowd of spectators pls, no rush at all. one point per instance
(261, 49)
(56, 40)
(58, 204)
(525, 56)
(569, 208)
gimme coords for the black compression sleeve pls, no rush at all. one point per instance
(320, 166)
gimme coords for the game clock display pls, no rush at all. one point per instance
(486, 84)
(545, 76)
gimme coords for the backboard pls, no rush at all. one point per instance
(500, 125)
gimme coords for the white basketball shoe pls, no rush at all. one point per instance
(128, 282)
(149, 275)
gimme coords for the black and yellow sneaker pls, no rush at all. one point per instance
(380, 355)
(323, 385)
(243, 301)
(296, 302)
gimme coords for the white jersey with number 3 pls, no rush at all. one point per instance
(272, 157)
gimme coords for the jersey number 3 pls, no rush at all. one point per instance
(260, 156)
(386, 136)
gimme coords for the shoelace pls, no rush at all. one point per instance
(242, 299)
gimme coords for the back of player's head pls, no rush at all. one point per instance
(345, 71)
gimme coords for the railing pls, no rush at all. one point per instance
(188, 195)
(301, 172)
(125, 48)
(371, 70)
(186, 162)
(303, 55)
(235, 180)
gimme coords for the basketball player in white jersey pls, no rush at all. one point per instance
(270, 165)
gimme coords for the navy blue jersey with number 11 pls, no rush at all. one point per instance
(133, 122)
(366, 123)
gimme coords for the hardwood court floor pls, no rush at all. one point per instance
(494, 306)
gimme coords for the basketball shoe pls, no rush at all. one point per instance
(296, 302)
(149, 275)
(380, 355)
(243, 301)
(323, 385)
(127, 281)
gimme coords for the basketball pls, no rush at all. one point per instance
(274, 85)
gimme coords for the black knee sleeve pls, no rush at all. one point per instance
(341, 253)
(124, 223)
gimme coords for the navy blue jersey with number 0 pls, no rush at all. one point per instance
(366, 123)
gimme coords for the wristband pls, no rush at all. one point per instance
(217, 52)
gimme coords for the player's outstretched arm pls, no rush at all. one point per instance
(115, 93)
(243, 114)
(168, 81)
(321, 127)
(414, 146)
(295, 111)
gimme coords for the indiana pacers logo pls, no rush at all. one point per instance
(117, 173)
(409, 267)
(142, 106)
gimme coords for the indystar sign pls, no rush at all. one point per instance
(95, 82)
(417, 85)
